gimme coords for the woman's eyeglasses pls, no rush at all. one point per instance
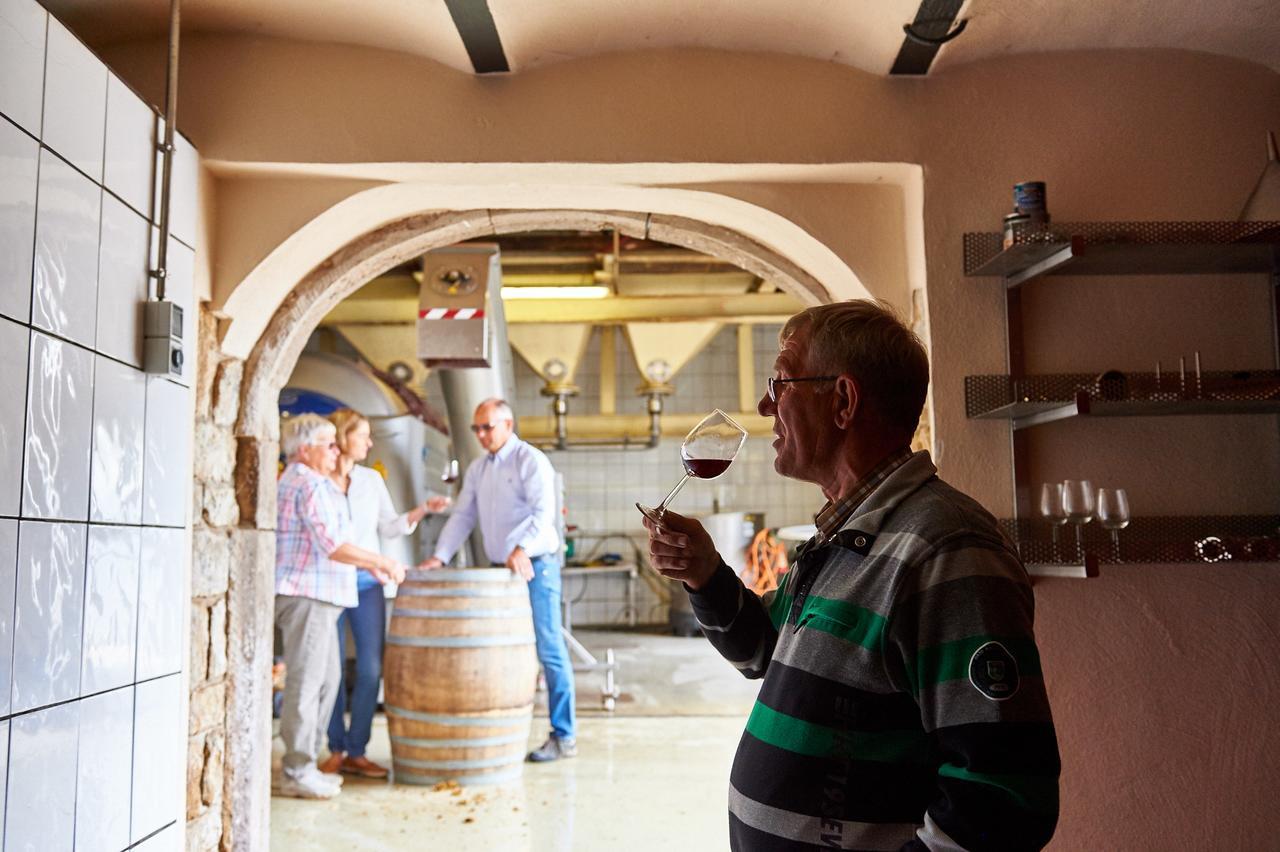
(773, 383)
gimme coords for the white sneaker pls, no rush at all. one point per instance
(308, 784)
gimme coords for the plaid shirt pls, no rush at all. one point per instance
(834, 516)
(313, 519)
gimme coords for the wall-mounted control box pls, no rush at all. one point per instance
(162, 339)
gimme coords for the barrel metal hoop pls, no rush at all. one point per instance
(470, 780)
(479, 763)
(477, 592)
(456, 720)
(461, 613)
(460, 641)
(462, 575)
(478, 742)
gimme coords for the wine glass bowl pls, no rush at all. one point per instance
(1077, 502)
(1113, 513)
(707, 451)
(1051, 510)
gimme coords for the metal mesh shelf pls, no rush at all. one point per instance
(1032, 400)
(1151, 540)
(1125, 248)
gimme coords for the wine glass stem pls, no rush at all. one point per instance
(662, 507)
(1080, 541)
(1115, 543)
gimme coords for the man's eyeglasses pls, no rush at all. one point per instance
(327, 445)
(773, 383)
(486, 428)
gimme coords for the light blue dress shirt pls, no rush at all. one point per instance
(512, 495)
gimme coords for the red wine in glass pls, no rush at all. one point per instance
(705, 468)
(707, 451)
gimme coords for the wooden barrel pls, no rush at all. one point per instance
(459, 674)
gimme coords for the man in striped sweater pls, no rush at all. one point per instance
(903, 706)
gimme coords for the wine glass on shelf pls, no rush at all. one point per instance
(1113, 514)
(1052, 511)
(1077, 502)
(707, 451)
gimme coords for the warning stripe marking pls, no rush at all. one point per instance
(451, 313)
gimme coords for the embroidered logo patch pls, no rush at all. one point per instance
(994, 672)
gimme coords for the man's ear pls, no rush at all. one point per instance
(847, 397)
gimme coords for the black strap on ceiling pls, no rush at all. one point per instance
(934, 19)
(479, 35)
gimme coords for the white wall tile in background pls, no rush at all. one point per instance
(103, 776)
(19, 160)
(115, 482)
(4, 765)
(159, 756)
(42, 780)
(59, 423)
(75, 101)
(166, 483)
(47, 614)
(123, 281)
(130, 146)
(110, 608)
(22, 35)
(14, 340)
(161, 609)
(64, 294)
(8, 584)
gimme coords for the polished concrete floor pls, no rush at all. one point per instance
(650, 775)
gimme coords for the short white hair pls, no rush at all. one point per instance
(501, 408)
(303, 431)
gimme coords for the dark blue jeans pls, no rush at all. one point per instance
(544, 598)
(368, 625)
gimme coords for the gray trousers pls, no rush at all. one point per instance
(312, 676)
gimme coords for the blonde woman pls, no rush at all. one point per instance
(373, 517)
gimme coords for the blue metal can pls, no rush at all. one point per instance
(1029, 198)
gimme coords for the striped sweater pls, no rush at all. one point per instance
(903, 705)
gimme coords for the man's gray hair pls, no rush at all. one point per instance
(500, 407)
(868, 341)
(304, 430)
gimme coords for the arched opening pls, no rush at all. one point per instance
(244, 392)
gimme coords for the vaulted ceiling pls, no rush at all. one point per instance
(486, 36)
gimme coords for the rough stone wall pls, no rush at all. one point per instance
(230, 581)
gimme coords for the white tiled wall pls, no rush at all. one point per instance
(95, 457)
(602, 487)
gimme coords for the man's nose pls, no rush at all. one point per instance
(766, 407)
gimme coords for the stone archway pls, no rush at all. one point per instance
(236, 447)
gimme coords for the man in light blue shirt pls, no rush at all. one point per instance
(510, 492)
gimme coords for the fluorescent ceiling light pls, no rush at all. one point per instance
(578, 292)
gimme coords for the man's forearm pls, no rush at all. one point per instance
(352, 554)
(735, 621)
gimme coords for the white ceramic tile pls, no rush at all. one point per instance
(75, 101)
(110, 608)
(167, 473)
(22, 26)
(42, 780)
(159, 756)
(103, 775)
(123, 281)
(65, 279)
(130, 146)
(184, 188)
(161, 610)
(47, 614)
(59, 424)
(119, 416)
(19, 160)
(8, 583)
(14, 341)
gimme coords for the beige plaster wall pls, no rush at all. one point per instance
(1162, 676)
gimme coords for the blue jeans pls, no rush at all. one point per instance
(368, 622)
(544, 598)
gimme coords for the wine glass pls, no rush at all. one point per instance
(1077, 502)
(1052, 511)
(707, 451)
(1113, 514)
